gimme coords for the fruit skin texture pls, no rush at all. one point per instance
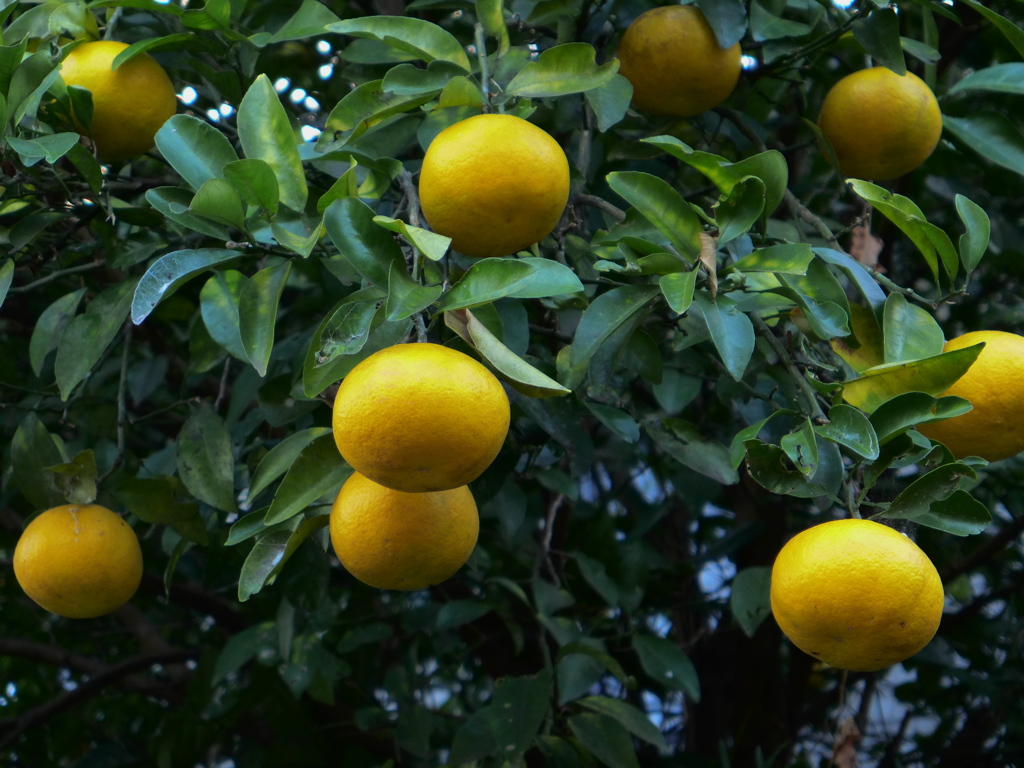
(129, 104)
(881, 125)
(495, 184)
(672, 58)
(78, 561)
(394, 540)
(995, 387)
(420, 417)
(856, 594)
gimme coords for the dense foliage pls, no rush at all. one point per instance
(692, 357)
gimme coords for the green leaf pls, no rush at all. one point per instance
(50, 327)
(1010, 31)
(959, 514)
(76, 479)
(660, 204)
(937, 485)
(801, 448)
(488, 280)
(266, 555)
(665, 662)
(347, 327)
(610, 101)
(848, 426)
(879, 33)
(740, 209)
(6, 278)
(416, 37)
(492, 18)
(317, 375)
(317, 470)
(677, 288)
(550, 279)
(788, 258)
(605, 739)
(860, 277)
(406, 297)
(601, 319)
(587, 648)
(508, 725)
(366, 246)
(909, 332)
(255, 182)
(933, 375)
(362, 107)
(459, 612)
(218, 305)
(512, 368)
(206, 464)
(88, 336)
(174, 202)
(999, 78)
(933, 243)
(749, 598)
(561, 70)
(33, 450)
(430, 244)
(257, 313)
(411, 80)
(218, 201)
(628, 716)
(266, 134)
(50, 148)
(730, 329)
(618, 421)
(195, 149)
(974, 242)
(169, 272)
(767, 465)
(912, 408)
(280, 458)
(991, 135)
(684, 443)
(310, 20)
(161, 500)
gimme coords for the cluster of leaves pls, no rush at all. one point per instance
(697, 368)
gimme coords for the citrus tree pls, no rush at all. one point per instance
(718, 320)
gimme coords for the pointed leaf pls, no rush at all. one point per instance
(419, 38)
(6, 278)
(912, 408)
(174, 202)
(218, 306)
(257, 313)
(430, 244)
(492, 17)
(848, 426)
(310, 20)
(218, 201)
(366, 246)
(660, 204)
(684, 443)
(195, 149)
(959, 514)
(610, 101)
(605, 739)
(974, 242)
(749, 598)
(206, 464)
(730, 329)
(677, 288)
(879, 33)
(488, 280)
(999, 78)
(740, 209)
(509, 724)
(550, 279)
(788, 258)
(664, 661)
(561, 70)
(909, 332)
(280, 458)
(801, 448)
(255, 181)
(317, 470)
(270, 553)
(169, 272)
(917, 498)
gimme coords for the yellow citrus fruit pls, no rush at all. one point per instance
(672, 58)
(78, 561)
(995, 387)
(129, 104)
(494, 184)
(881, 125)
(856, 594)
(420, 417)
(395, 540)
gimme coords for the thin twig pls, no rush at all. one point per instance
(799, 379)
(544, 556)
(57, 275)
(601, 204)
(421, 328)
(805, 213)
(481, 55)
(222, 391)
(122, 411)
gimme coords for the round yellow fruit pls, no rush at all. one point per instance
(995, 387)
(129, 104)
(672, 57)
(420, 417)
(494, 184)
(881, 125)
(856, 594)
(394, 540)
(78, 561)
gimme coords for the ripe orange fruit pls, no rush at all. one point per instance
(672, 57)
(394, 540)
(494, 184)
(881, 125)
(130, 104)
(856, 594)
(995, 387)
(78, 561)
(420, 417)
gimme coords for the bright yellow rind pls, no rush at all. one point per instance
(420, 417)
(881, 125)
(675, 64)
(394, 540)
(78, 561)
(495, 184)
(130, 104)
(856, 594)
(995, 387)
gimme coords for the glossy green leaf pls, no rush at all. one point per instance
(740, 209)
(218, 201)
(89, 334)
(310, 20)
(991, 135)
(195, 149)
(730, 329)
(317, 470)
(660, 204)
(206, 464)
(749, 598)
(605, 738)
(255, 182)
(33, 450)
(50, 148)
(266, 134)
(851, 428)
(218, 305)
(169, 272)
(999, 78)
(610, 101)
(879, 33)
(257, 313)
(801, 448)
(430, 244)
(677, 288)
(561, 70)
(492, 17)
(959, 514)
(347, 327)
(363, 107)
(683, 442)
(317, 376)
(863, 348)
(860, 277)
(787, 258)
(411, 80)
(488, 280)
(280, 458)
(768, 466)
(270, 553)
(368, 247)
(6, 278)
(904, 411)
(933, 375)
(737, 449)
(664, 661)
(550, 279)
(173, 202)
(974, 242)
(917, 498)
(909, 332)
(406, 297)
(416, 37)
(50, 326)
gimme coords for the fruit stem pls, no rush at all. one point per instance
(481, 55)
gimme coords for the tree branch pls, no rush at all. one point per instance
(56, 276)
